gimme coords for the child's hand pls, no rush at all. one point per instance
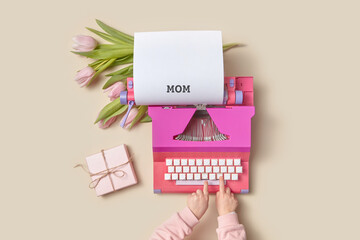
(198, 201)
(225, 200)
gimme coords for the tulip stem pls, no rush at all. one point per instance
(102, 63)
(102, 67)
(95, 63)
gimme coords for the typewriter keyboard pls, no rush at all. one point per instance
(196, 171)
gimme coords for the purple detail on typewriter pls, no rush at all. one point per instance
(244, 190)
(130, 84)
(239, 97)
(157, 190)
(123, 97)
(131, 104)
(232, 82)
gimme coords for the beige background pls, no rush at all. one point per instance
(304, 56)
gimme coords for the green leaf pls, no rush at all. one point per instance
(142, 111)
(106, 53)
(113, 46)
(122, 71)
(109, 109)
(122, 61)
(114, 79)
(146, 119)
(117, 113)
(115, 33)
(105, 36)
(229, 45)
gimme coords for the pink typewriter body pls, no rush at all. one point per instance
(232, 120)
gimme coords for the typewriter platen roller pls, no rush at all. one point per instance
(231, 96)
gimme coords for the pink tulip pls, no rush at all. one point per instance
(84, 76)
(108, 123)
(133, 112)
(84, 43)
(114, 90)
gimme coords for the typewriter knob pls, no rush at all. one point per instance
(123, 97)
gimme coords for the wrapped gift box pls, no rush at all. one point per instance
(111, 170)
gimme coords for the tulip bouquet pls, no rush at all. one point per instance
(117, 52)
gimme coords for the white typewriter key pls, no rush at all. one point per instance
(221, 162)
(186, 169)
(214, 162)
(229, 162)
(218, 175)
(171, 169)
(206, 162)
(239, 170)
(183, 162)
(178, 169)
(176, 162)
(198, 162)
(174, 176)
(167, 176)
(168, 162)
(201, 169)
(223, 169)
(237, 162)
(182, 176)
(191, 162)
(189, 176)
(204, 176)
(231, 169)
(216, 169)
(197, 176)
(208, 169)
(234, 177)
(193, 169)
(226, 176)
(212, 176)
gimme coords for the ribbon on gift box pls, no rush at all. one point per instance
(107, 172)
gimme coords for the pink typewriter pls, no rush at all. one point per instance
(201, 123)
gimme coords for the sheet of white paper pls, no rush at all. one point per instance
(178, 68)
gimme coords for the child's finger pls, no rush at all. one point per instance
(228, 191)
(222, 185)
(205, 190)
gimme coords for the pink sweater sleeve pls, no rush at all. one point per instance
(177, 227)
(229, 228)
